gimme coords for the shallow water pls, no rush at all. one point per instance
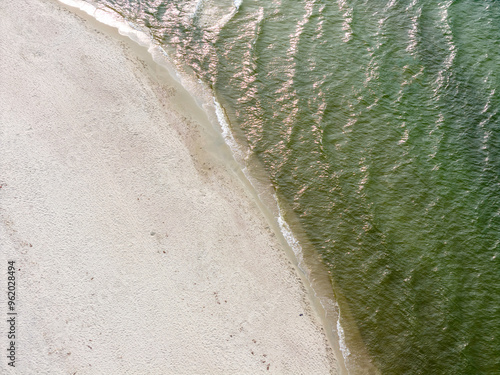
(378, 124)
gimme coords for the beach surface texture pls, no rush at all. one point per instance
(137, 248)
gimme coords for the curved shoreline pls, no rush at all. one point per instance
(320, 297)
(87, 185)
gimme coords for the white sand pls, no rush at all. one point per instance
(137, 252)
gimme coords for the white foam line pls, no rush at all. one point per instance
(130, 30)
(343, 346)
(290, 239)
(112, 19)
(226, 130)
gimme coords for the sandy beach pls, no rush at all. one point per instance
(137, 249)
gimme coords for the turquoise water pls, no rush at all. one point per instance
(378, 124)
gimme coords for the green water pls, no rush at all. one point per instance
(378, 123)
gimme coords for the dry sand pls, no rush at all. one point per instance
(137, 250)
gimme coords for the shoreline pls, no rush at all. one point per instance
(253, 177)
(312, 273)
(104, 189)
